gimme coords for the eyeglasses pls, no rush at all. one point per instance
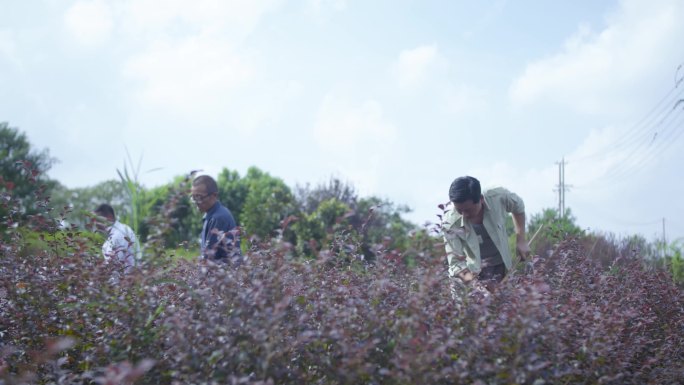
(199, 197)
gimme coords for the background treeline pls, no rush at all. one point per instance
(263, 205)
(307, 217)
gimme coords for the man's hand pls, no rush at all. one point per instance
(466, 275)
(523, 249)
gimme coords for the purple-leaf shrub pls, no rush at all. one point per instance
(69, 317)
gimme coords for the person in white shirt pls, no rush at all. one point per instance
(121, 244)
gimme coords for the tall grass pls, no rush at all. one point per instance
(138, 208)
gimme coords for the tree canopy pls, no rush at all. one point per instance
(24, 170)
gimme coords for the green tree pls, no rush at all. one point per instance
(549, 230)
(24, 170)
(314, 231)
(674, 253)
(148, 204)
(553, 226)
(269, 201)
(374, 221)
(176, 216)
(380, 222)
(638, 245)
(233, 192)
(309, 199)
(82, 201)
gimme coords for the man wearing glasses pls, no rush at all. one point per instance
(218, 240)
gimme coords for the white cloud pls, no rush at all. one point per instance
(616, 71)
(356, 138)
(336, 5)
(191, 57)
(89, 22)
(235, 18)
(597, 155)
(491, 15)
(613, 173)
(8, 47)
(424, 71)
(465, 99)
(365, 175)
(194, 74)
(593, 69)
(320, 10)
(266, 104)
(612, 156)
(341, 126)
(414, 67)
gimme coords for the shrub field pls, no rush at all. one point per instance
(68, 318)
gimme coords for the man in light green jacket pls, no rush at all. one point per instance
(475, 232)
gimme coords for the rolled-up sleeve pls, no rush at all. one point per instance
(455, 258)
(453, 245)
(513, 203)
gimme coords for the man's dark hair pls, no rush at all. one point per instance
(465, 188)
(105, 210)
(208, 182)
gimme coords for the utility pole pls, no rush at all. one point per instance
(559, 189)
(562, 187)
(664, 239)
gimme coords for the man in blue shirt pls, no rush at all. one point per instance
(219, 238)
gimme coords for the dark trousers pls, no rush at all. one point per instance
(492, 273)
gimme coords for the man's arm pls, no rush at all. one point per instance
(126, 247)
(522, 247)
(457, 260)
(220, 238)
(211, 248)
(515, 205)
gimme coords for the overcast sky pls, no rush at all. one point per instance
(397, 97)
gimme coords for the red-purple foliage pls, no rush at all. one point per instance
(69, 318)
(323, 321)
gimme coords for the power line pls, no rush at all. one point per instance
(645, 141)
(644, 154)
(621, 221)
(639, 132)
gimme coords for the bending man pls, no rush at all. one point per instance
(121, 244)
(475, 231)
